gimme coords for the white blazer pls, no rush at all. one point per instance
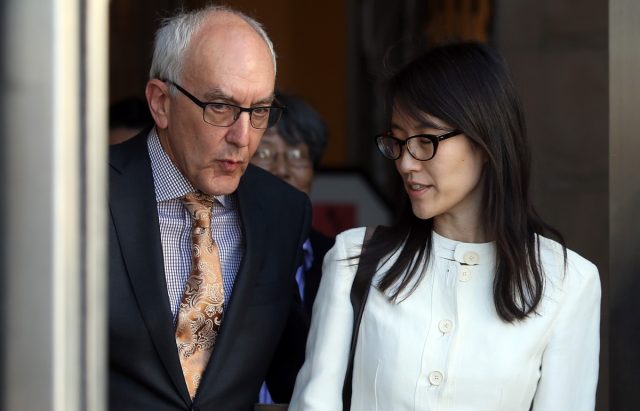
(444, 347)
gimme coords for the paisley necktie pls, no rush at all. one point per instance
(200, 312)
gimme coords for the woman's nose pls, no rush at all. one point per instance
(406, 163)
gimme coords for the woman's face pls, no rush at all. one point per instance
(450, 184)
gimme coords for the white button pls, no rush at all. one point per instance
(445, 326)
(436, 377)
(465, 274)
(471, 258)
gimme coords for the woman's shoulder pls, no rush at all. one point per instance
(552, 258)
(347, 245)
(351, 239)
(341, 261)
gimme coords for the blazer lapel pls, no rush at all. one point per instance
(254, 232)
(134, 211)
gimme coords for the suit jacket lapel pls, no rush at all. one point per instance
(254, 232)
(134, 212)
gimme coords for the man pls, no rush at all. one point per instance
(202, 330)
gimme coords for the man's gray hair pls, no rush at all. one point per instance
(174, 36)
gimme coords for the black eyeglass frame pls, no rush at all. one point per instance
(401, 143)
(203, 105)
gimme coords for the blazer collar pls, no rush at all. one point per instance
(133, 208)
(254, 230)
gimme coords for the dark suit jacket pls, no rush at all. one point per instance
(264, 328)
(320, 244)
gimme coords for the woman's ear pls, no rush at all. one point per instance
(157, 93)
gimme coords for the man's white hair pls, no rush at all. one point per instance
(174, 36)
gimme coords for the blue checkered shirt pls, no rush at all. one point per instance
(175, 226)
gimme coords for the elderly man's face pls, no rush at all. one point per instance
(227, 62)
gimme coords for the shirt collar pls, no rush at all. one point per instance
(464, 253)
(170, 183)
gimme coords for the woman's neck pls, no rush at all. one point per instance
(464, 228)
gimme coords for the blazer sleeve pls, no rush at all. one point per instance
(289, 354)
(319, 383)
(569, 369)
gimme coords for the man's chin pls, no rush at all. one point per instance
(218, 186)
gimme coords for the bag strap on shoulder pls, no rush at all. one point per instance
(359, 293)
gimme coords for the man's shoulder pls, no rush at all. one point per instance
(271, 187)
(121, 155)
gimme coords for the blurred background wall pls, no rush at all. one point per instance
(624, 196)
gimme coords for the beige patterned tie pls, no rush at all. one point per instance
(201, 306)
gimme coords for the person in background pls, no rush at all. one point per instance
(292, 151)
(127, 118)
(204, 246)
(470, 306)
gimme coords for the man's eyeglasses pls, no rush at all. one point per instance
(225, 114)
(422, 147)
(294, 157)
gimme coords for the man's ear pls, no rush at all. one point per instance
(157, 93)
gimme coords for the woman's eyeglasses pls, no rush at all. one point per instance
(422, 147)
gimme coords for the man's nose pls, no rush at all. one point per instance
(240, 130)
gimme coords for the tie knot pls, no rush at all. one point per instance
(199, 206)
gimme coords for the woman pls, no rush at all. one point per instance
(471, 307)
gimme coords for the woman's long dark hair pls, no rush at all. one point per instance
(468, 86)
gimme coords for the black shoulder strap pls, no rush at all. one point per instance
(359, 294)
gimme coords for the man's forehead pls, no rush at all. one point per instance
(219, 92)
(214, 82)
(223, 31)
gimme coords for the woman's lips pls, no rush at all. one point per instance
(417, 189)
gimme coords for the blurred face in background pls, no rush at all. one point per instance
(292, 163)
